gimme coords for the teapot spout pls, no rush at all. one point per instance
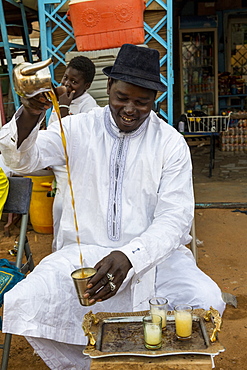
(31, 69)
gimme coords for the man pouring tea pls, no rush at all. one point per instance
(132, 180)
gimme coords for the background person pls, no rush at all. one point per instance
(77, 79)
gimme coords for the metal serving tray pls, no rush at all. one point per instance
(123, 335)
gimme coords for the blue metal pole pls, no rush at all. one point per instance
(8, 55)
(26, 33)
(152, 33)
(170, 75)
(43, 29)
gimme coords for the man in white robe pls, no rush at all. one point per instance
(132, 181)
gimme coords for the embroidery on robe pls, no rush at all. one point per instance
(117, 168)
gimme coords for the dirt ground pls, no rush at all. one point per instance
(221, 235)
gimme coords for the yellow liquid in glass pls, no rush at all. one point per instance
(56, 107)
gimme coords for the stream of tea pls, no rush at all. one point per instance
(55, 103)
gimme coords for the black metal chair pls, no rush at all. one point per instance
(18, 201)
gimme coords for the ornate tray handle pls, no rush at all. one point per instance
(89, 320)
(214, 315)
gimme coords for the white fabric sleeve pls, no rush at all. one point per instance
(37, 151)
(8, 142)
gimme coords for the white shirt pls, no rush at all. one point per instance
(83, 103)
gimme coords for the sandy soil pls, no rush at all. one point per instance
(221, 254)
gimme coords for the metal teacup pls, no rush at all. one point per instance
(81, 278)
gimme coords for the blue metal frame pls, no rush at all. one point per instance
(48, 17)
(50, 20)
(167, 59)
(7, 45)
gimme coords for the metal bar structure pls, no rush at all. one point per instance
(50, 20)
(8, 45)
(153, 33)
(221, 205)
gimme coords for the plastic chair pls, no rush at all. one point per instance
(18, 201)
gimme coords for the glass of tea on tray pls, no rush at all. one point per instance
(158, 306)
(152, 326)
(183, 321)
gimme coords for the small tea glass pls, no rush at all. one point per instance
(183, 321)
(158, 306)
(152, 326)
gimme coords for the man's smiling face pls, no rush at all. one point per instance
(130, 104)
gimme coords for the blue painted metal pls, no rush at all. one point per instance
(8, 45)
(152, 33)
(50, 20)
(170, 74)
(26, 33)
